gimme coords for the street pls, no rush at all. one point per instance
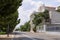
(34, 36)
(25, 36)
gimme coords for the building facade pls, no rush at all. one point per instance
(54, 23)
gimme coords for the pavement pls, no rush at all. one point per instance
(5, 36)
(33, 36)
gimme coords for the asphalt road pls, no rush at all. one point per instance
(32, 36)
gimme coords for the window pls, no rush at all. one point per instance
(53, 28)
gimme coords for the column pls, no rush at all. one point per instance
(32, 26)
(44, 27)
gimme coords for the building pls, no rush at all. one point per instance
(54, 22)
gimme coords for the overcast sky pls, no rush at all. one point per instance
(28, 6)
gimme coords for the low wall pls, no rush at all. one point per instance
(4, 37)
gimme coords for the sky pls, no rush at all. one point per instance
(29, 6)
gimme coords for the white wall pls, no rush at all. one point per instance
(55, 17)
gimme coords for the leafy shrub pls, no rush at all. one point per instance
(25, 27)
(2, 33)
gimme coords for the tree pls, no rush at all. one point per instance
(58, 8)
(46, 15)
(8, 7)
(25, 27)
(9, 14)
(40, 17)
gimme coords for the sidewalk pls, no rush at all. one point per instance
(47, 35)
(5, 36)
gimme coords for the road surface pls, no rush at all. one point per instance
(34, 36)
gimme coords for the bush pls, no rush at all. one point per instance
(25, 27)
(58, 10)
(2, 33)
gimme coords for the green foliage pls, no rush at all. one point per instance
(10, 20)
(8, 7)
(2, 33)
(9, 14)
(58, 9)
(46, 15)
(25, 27)
(40, 17)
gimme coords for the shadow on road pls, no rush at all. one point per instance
(56, 38)
(25, 38)
(38, 39)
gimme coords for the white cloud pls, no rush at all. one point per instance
(24, 14)
(27, 0)
(49, 5)
(58, 0)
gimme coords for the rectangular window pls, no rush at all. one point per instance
(53, 28)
